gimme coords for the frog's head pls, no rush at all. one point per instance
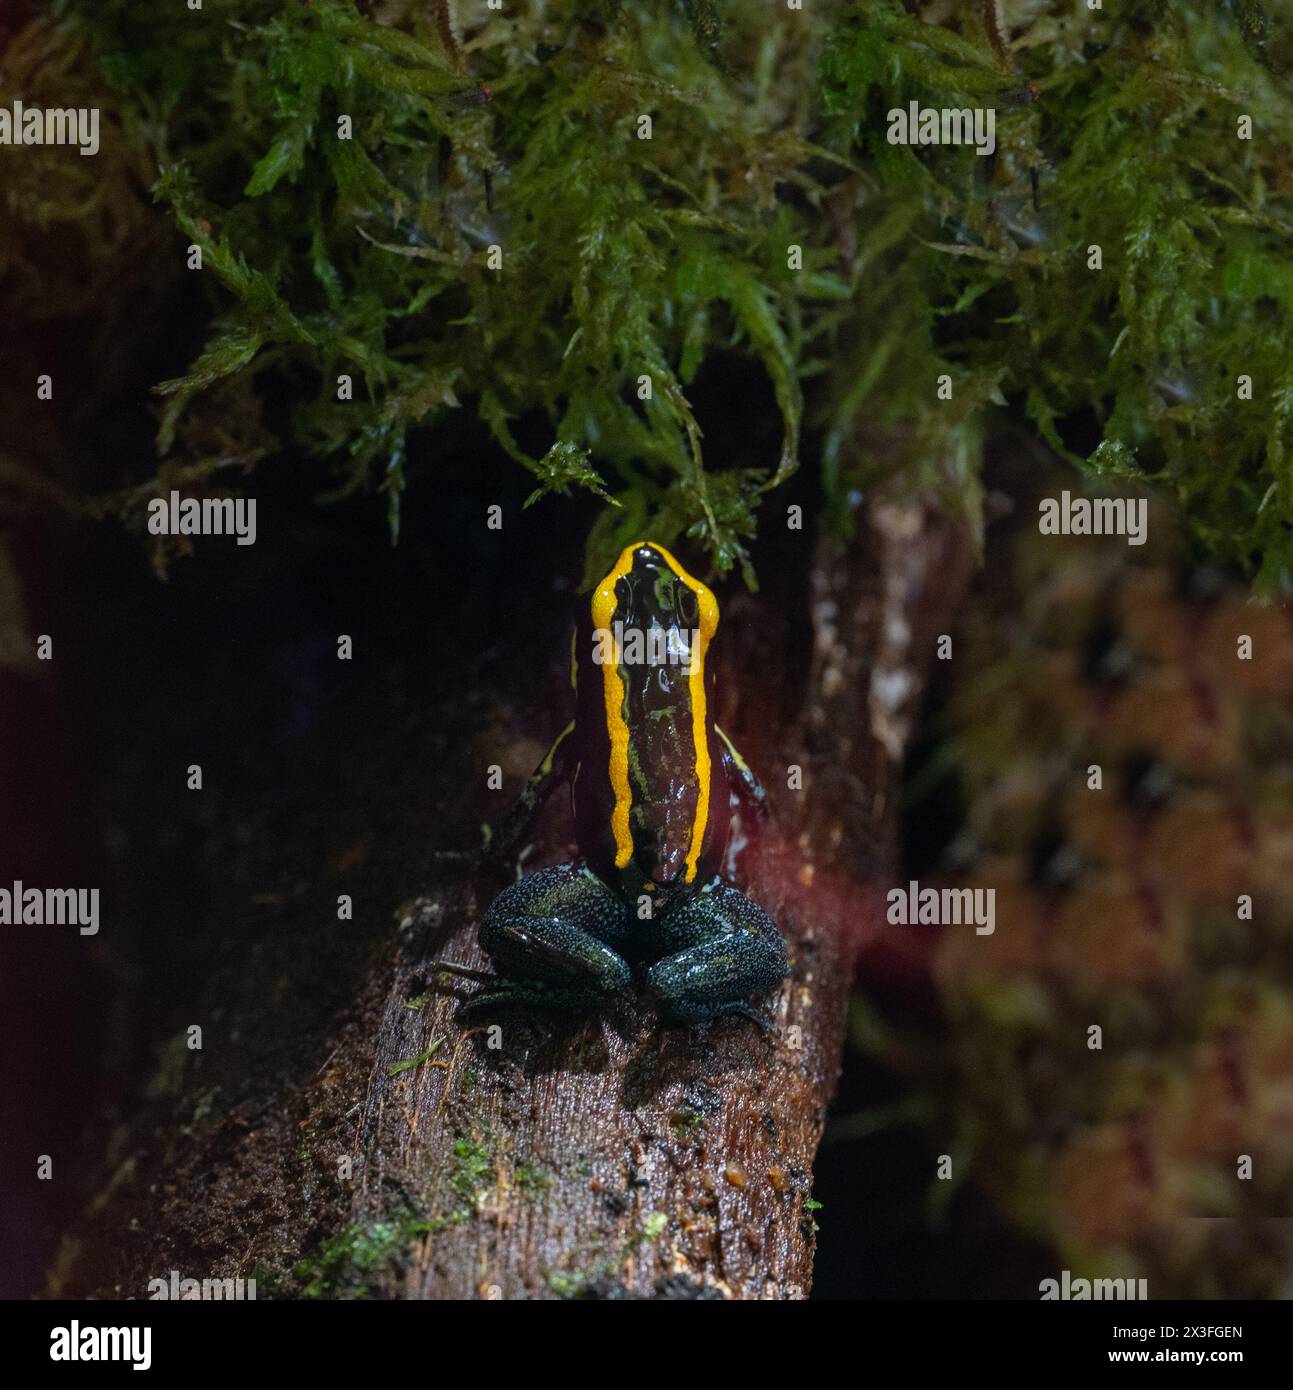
(648, 589)
(654, 622)
(648, 592)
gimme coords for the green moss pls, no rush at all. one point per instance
(347, 1261)
(582, 1283)
(472, 1171)
(268, 1282)
(686, 1124)
(625, 258)
(811, 1206)
(1137, 153)
(531, 1180)
(470, 1176)
(567, 1283)
(410, 1063)
(654, 1225)
(440, 1223)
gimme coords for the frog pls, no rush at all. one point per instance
(654, 786)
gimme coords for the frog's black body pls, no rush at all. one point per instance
(652, 782)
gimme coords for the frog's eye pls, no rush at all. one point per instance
(688, 608)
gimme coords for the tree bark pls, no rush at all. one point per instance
(620, 1158)
(587, 1157)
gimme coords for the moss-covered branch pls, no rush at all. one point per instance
(623, 258)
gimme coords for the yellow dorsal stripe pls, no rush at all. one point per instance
(613, 694)
(617, 728)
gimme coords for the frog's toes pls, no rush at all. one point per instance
(554, 935)
(724, 949)
(505, 991)
(715, 978)
(554, 951)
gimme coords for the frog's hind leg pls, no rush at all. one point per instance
(555, 937)
(722, 948)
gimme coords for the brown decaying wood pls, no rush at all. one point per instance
(621, 1158)
(598, 1157)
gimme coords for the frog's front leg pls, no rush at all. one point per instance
(540, 785)
(742, 778)
(555, 936)
(723, 948)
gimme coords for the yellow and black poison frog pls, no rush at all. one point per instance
(653, 782)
